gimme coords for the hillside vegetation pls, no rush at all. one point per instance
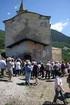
(2, 39)
(59, 39)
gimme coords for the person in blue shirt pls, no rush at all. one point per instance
(28, 69)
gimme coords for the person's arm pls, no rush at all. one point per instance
(61, 88)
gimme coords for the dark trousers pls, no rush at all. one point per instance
(17, 72)
(53, 74)
(47, 74)
(42, 73)
(57, 94)
(2, 72)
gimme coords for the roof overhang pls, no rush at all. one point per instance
(18, 42)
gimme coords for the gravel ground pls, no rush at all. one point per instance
(17, 93)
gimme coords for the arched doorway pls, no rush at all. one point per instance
(27, 56)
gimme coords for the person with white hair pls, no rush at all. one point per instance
(56, 67)
(48, 70)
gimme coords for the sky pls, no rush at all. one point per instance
(59, 10)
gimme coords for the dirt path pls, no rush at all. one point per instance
(16, 93)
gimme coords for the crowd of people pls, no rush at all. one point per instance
(33, 70)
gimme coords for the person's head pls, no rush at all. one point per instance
(18, 60)
(28, 62)
(9, 59)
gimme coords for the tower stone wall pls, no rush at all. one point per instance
(28, 32)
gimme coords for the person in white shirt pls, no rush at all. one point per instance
(48, 70)
(59, 88)
(18, 67)
(13, 65)
(9, 68)
(2, 66)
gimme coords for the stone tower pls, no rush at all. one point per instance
(28, 35)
